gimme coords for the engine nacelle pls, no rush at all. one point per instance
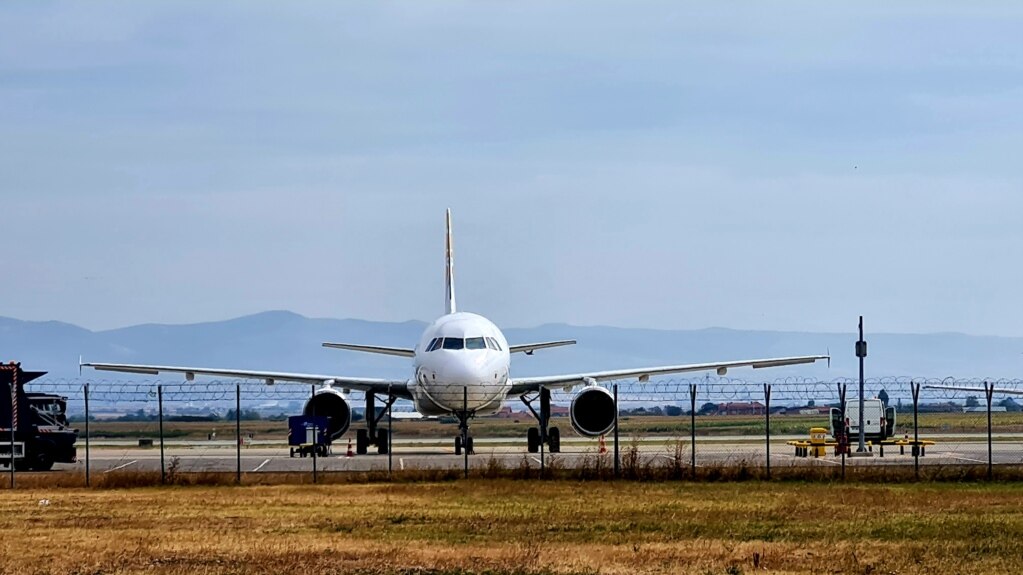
(331, 403)
(593, 411)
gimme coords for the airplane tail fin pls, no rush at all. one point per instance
(450, 275)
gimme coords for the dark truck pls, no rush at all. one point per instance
(41, 435)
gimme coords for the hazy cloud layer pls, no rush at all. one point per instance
(667, 165)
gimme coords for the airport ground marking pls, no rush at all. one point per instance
(132, 462)
(261, 465)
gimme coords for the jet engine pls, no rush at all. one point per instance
(331, 403)
(593, 411)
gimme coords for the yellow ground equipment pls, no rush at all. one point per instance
(817, 445)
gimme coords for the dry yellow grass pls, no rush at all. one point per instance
(506, 526)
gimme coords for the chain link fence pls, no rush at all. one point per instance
(672, 427)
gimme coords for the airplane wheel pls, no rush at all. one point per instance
(468, 446)
(533, 440)
(383, 441)
(361, 441)
(458, 445)
(554, 434)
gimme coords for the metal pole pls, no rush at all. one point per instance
(861, 353)
(159, 403)
(916, 430)
(989, 390)
(692, 428)
(390, 424)
(87, 478)
(14, 411)
(238, 432)
(543, 438)
(842, 389)
(618, 460)
(767, 420)
(465, 436)
(316, 435)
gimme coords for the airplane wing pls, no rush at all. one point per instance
(528, 384)
(975, 389)
(399, 351)
(529, 348)
(397, 387)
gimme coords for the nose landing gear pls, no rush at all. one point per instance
(542, 434)
(463, 440)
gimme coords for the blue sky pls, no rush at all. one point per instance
(660, 164)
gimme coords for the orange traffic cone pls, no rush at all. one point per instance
(350, 452)
(602, 447)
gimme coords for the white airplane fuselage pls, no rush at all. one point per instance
(461, 363)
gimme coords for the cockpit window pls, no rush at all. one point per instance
(433, 344)
(454, 343)
(475, 343)
(492, 342)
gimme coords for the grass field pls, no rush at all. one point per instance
(506, 526)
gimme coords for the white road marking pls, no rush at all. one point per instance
(536, 459)
(260, 466)
(122, 466)
(817, 459)
(966, 459)
(401, 463)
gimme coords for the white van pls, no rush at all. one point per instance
(879, 423)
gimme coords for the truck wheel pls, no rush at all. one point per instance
(43, 462)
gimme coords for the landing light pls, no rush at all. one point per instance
(722, 371)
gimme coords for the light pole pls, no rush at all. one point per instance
(861, 352)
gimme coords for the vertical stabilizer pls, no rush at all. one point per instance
(449, 279)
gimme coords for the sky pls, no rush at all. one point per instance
(676, 165)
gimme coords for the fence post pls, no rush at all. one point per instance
(14, 417)
(692, 429)
(842, 388)
(989, 390)
(618, 460)
(767, 421)
(390, 433)
(87, 479)
(916, 429)
(238, 432)
(159, 406)
(465, 436)
(316, 435)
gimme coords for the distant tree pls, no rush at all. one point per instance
(656, 410)
(811, 403)
(1010, 404)
(883, 396)
(707, 408)
(972, 401)
(672, 410)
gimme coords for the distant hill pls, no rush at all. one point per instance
(280, 340)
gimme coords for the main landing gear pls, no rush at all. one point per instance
(372, 435)
(542, 434)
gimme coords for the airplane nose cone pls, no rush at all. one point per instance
(460, 373)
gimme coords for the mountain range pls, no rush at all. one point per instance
(285, 341)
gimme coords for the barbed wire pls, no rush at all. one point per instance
(664, 390)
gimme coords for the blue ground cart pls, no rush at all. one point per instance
(307, 434)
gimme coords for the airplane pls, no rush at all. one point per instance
(461, 368)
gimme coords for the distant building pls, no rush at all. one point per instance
(740, 408)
